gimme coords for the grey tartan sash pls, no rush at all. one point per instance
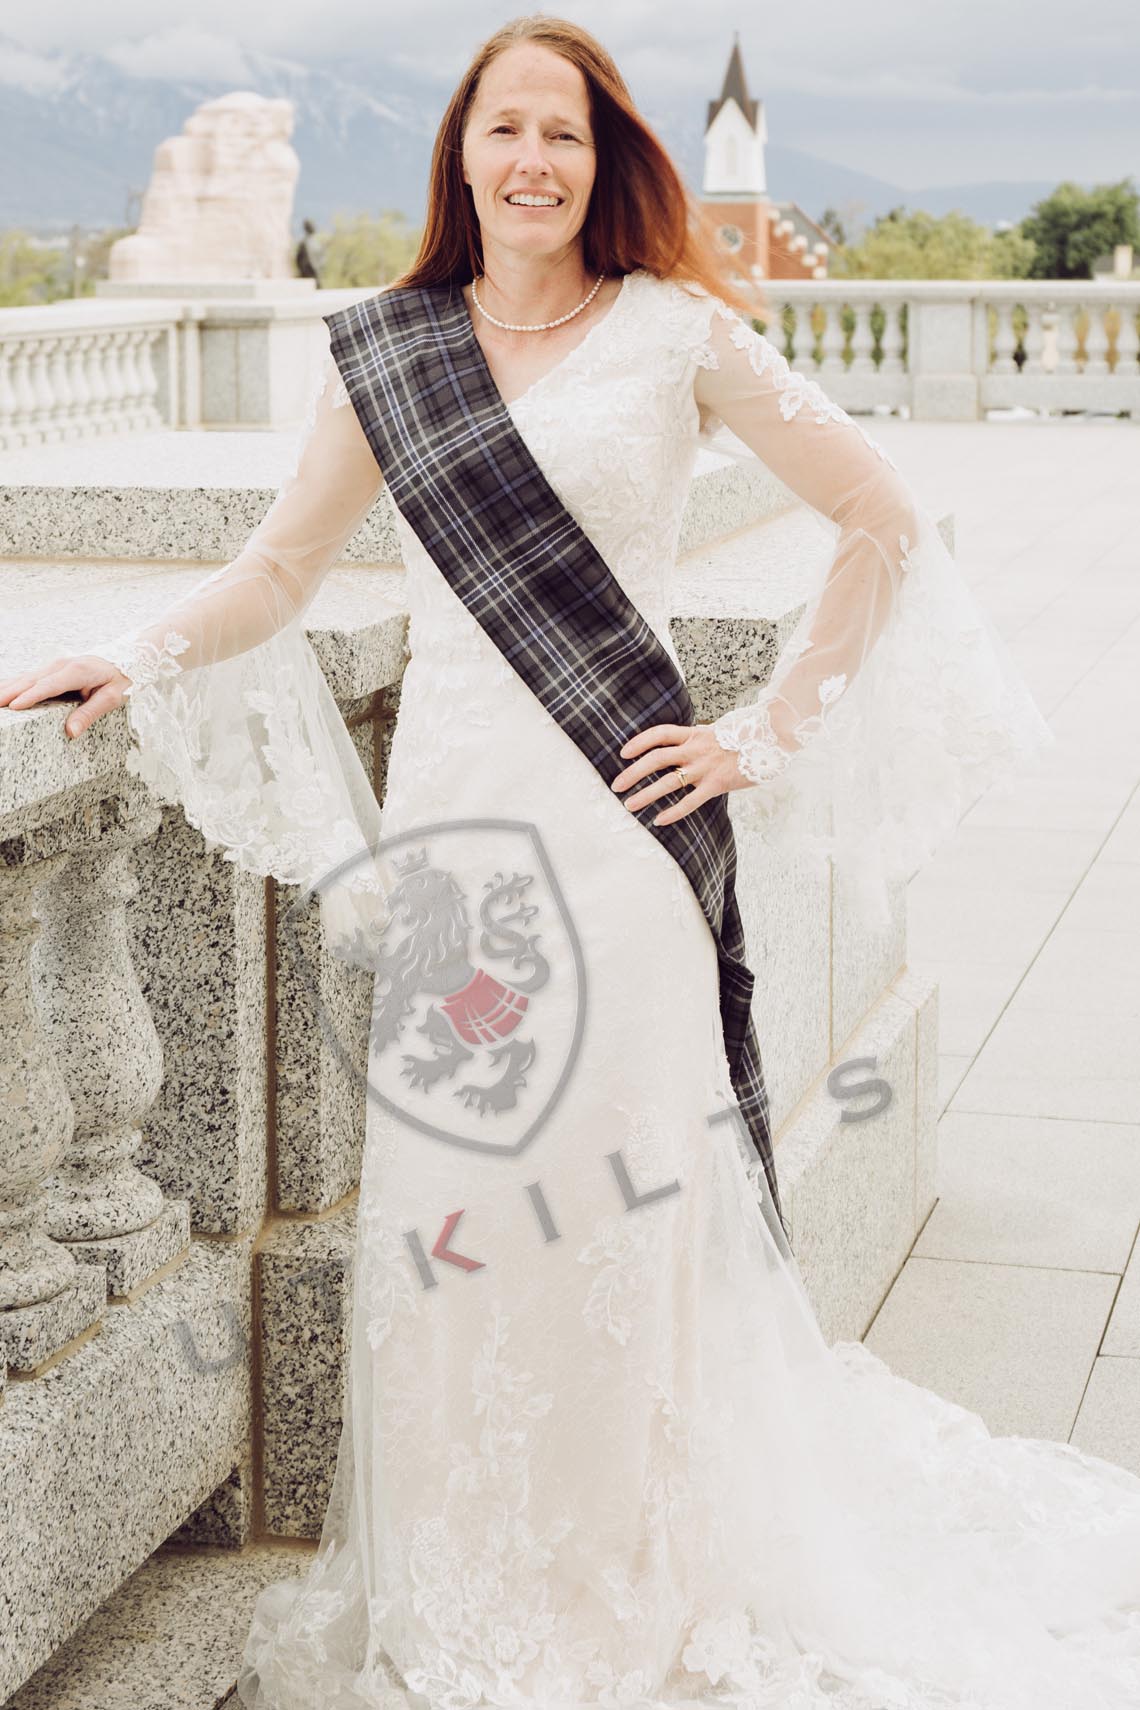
(467, 484)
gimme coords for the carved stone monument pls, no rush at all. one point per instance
(220, 200)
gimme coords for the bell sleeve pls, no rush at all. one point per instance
(230, 713)
(895, 701)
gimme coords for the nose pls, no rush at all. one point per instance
(532, 156)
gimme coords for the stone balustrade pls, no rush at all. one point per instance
(181, 1140)
(942, 350)
(84, 368)
(951, 350)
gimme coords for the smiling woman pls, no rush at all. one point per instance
(596, 1452)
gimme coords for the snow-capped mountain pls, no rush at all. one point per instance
(84, 132)
(78, 134)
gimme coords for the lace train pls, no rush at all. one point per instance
(818, 1533)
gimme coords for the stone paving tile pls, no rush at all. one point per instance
(1013, 1343)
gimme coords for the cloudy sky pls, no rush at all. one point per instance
(920, 94)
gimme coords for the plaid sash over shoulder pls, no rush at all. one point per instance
(468, 485)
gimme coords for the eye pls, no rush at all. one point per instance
(569, 134)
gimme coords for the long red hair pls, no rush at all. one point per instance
(640, 214)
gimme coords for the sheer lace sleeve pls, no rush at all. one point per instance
(320, 505)
(230, 712)
(895, 701)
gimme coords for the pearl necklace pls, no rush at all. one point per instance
(539, 326)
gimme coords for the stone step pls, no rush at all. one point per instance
(118, 1444)
(170, 1638)
(197, 497)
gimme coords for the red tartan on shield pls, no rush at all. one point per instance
(484, 1009)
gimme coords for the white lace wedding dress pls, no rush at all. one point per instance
(595, 1449)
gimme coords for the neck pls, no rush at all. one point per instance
(532, 287)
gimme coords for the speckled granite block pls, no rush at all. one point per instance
(206, 524)
(322, 1019)
(848, 1186)
(727, 494)
(735, 603)
(921, 992)
(199, 946)
(170, 1638)
(225, 1519)
(201, 495)
(116, 1445)
(864, 960)
(305, 1294)
(323, 1014)
(31, 1336)
(725, 659)
(785, 912)
(129, 1260)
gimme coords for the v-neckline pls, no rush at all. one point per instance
(481, 355)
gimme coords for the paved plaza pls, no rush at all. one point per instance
(1021, 1298)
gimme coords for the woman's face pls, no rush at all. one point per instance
(529, 130)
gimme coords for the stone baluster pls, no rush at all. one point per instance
(108, 1049)
(41, 425)
(147, 413)
(58, 381)
(1096, 340)
(113, 370)
(100, 409)
(862, 341)
(1127, 342)
(24, 391)
(1034, 340)
(892, 340)
(46, 1297)
(832, 342)
(1066, 339)
(134, 414)
(1005, 340)
(9, 432)
(79, 390)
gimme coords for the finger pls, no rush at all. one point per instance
(103, 700)
(36, 690)
(14, 686)
(655, 761)
(663, 786)
(42, 685)
(692, 799)
(655, 733)
(38, 674)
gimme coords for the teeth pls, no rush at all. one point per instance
(533, 201)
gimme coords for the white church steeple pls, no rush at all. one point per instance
(735, 134)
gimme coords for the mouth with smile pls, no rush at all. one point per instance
(532, 199)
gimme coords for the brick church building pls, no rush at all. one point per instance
(769, 240)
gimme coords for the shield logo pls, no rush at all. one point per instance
(479, 999)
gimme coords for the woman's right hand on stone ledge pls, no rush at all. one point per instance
(100, 684)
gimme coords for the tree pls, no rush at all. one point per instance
(917, 245)
(830, 222)
(29, 270)
(363, 249)
(1072, 227)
